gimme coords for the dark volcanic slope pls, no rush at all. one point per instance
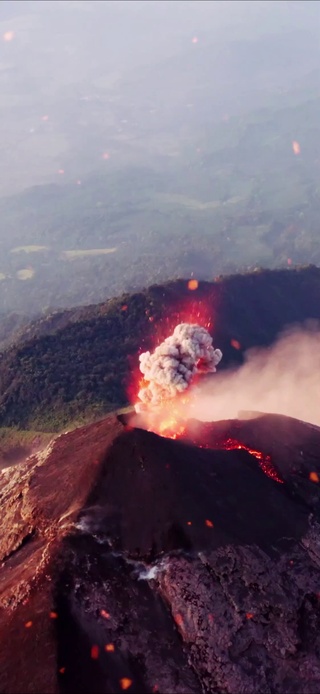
(152, 487)
(151, 565)
(83, 358)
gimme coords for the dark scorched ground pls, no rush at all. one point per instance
(137, 563)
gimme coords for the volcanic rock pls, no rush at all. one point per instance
(131, 562)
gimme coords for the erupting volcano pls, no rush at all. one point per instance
(169, 372)
(155, 565)
(165, 397)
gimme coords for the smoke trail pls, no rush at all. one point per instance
(282, 379)
(169, 370)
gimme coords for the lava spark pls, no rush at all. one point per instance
(95, 652)
(296, 147)
(109, 648)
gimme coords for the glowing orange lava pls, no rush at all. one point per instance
(167, 420)
(264, 460)
(170, 428)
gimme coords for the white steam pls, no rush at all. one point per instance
(169, 370)
(282, 379)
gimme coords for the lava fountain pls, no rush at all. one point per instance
(168, 374)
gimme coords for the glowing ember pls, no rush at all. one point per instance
(28, 625)
(235, 344)
(53, 615)
(193, 284)
(209, 524)
(178, 620)
(8, 36)
(314, 477)
(296, 147)
(94, 652)
(125, 683)
(105, 614)
(109, 648)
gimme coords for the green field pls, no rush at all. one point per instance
(73, 255)
(26, 273)
(29, 249)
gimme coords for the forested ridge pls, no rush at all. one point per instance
(79, 363)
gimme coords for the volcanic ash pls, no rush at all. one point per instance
(170, 369)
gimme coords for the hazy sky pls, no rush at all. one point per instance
(134, 56)
(127, 122)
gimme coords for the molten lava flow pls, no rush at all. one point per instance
(264, 460)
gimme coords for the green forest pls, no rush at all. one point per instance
(77, 365)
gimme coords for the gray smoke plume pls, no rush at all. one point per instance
(169, 370)
(282, 379)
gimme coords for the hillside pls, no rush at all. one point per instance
(132, 562)
(79, 363)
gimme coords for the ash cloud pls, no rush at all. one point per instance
(170, 369)
(282, 379)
